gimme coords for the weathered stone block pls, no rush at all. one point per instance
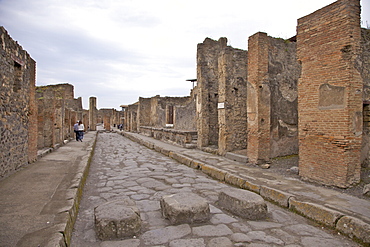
(354, 228)
(316, 212)
(117, 219)
(185, 208)
(214, 172)
(277, 196)
(243, 203)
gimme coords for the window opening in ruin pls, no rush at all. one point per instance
(17, 77)
(169, 118)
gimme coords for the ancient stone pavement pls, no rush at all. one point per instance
(122, 168)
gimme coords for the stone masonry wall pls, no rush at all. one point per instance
(156, 111)
(363, 66)
(330, 94)
(131, 118)
(54, 119)
(145, 112)
(17, 109)
(283, 73)
(232, 69)
(207, 97)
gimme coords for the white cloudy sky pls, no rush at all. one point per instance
(118, 50)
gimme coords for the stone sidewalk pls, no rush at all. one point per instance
(347, 214)
(39, 203)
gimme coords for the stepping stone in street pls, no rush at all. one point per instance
(185, 208)
(117, 219)
(243, 203)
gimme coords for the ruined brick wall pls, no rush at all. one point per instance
(45, 119)
(73, 113)
(185, 113)
(131, 118)
(283, 73)
(175, 112)
(272, 102)
(54, 123)
(232, 98)
(330, 94)
(108, 116)
(160, 112)
(208, 53)
(17, 109)
(145, 112)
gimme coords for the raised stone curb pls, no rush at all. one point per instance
(354, 228)
(251, 186)
(185, 208)
(276, 196)
(79, 184)
(214, 172)
(243, 203)
(234, 180)
(180, 158)
(315, 212)
(196, 164)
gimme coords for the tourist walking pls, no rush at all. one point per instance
(75, 129)
(80, 131)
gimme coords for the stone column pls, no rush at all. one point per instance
(92, 113)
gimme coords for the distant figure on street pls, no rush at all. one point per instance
(80, 131)
(75, 129)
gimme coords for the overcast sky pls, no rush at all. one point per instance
(120, 50)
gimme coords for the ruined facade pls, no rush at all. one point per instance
(31, 118)
(306, 96)
(109, 117)
(221, 96)
(58, 111)
(171, 119)
(247, 101)
(273, 72)
(18, 111)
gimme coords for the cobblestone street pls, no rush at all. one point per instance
(121, 168)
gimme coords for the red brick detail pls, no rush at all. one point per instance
(330, 131)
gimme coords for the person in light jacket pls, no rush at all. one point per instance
(80, 131)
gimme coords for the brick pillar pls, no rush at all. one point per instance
(258, 99)
(330, 94)
(92, 113)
